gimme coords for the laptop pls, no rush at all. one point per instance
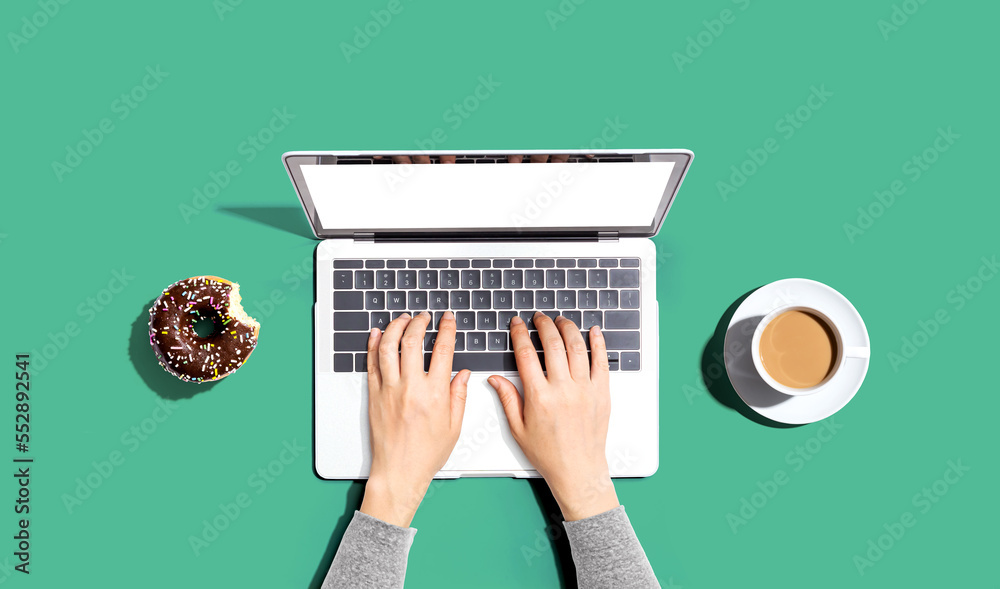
(488, 239)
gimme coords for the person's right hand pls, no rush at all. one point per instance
(561, 423)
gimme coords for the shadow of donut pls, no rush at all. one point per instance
(144, 361)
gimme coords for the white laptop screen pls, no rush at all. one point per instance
(491, 197)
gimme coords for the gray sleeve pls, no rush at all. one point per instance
(607, 553)
(371, 554)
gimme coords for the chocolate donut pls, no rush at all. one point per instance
(187, 355)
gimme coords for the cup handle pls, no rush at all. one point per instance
(857, 352)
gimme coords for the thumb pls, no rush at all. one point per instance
(459, 392)
(513, 404)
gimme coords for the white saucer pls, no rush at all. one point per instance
(757, 394)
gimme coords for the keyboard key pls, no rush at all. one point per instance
(396, 314)
(551, 314)
(495, 362)
(439, 263)
(395, 264)
(417, 263)
(621, 320)
(630, 361)
(629, 299)
(523, 299)
(481, 299)
(502, 263)
(380, 319)
(587, 299)
(504, 319)
(343, 321)
(587, 263)
(513, 279)
(565, 263)
(545, 299)
(343, 362)
(385, 279)
(575, 316)
(597, 278)
(406, 278)
(522, 263)
(608, 263)
(621, 340)
(437, 299)
(612, 361)
(630, 262)
(349, 300)
(496, 341)
(450, 279)
(350, 342)
(429, 338)
(470, 279)
(475, 341)
(592, 318)
(459, 343)
(545, 263)
(465, 320)
(555, 279)
(460, 299)
(436, 320)
(375, 300)
(460, 263)
(492, 278)
(536, 340)
(503, 299)
(374, 263)
(348, 264)
(364, 279)
(529, 319)
(608, 299)
(566, 299)
(361, 362)
(624, 278)
(395, 300)
(481, 263)
(416, 300)
(486, 320)
(342, 279)
(427, 279)
(576, 279)
(534, 278)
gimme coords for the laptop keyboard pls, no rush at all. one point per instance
(484, 294)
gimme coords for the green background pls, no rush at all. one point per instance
(61, 239)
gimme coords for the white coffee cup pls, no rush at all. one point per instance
(843, 351)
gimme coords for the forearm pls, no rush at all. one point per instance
(372, 554)
(607, 552)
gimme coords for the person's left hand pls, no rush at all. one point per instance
(415, 417)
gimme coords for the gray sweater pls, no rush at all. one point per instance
(605, 550)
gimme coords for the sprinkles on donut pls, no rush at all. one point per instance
(178, 347)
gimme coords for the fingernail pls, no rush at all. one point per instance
(425, 314)
(596, 329)
(404, 316)
(465, 379)
(492, 380)
(448, 315)
(373, 332)
(515, 320)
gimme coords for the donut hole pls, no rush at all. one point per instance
(205, 327)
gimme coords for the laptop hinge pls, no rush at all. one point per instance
(364, 237)
(607, 236)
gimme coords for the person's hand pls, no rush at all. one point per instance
(415, 417)
(561, 423)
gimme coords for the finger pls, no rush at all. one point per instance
(539, 158)
(421, 159)
(524, 354)
(412, 345)
(560, 158)
(515, 159)
(446, 159)
(388, 349)
(513, 403)
(552, 345)
(599, 372)
(576, 349)
(401, 159)
(444, 347)
(374, 376)
(459, 392)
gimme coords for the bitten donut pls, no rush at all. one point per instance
(187, 355)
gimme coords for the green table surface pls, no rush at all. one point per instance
(117, 115)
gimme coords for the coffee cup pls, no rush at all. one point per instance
(797, 350)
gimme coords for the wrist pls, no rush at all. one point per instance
(585, 497)
(392, 501)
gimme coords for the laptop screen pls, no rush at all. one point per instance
(350, 194)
